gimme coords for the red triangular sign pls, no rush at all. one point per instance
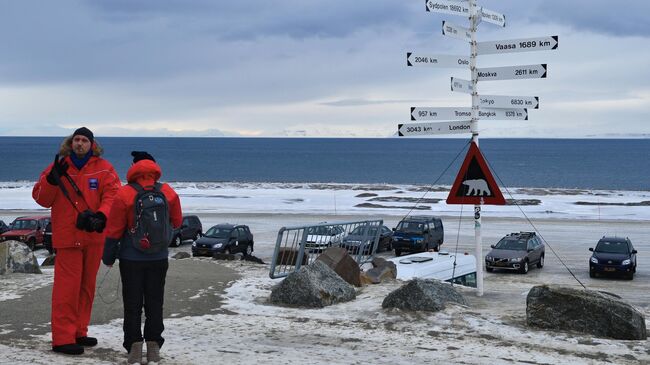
(474, 183)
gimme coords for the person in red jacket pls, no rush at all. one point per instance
(143, 273)
(79, 188)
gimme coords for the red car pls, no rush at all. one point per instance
(29, 230)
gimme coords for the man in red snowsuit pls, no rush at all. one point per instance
(143, 274)
(80, 188)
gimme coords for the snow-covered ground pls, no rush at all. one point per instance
(251, 331)
(245, 329)
(384, 199)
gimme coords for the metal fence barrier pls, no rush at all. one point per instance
(300, 245)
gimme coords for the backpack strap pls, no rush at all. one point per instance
(140, 189)
(137, 187)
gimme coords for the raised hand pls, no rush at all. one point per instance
(59, 167)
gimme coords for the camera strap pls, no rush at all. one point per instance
(64, 190)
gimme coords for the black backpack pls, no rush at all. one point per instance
(152, 230)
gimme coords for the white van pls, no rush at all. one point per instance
(437, 265)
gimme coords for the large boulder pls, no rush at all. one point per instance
(16, 257)
(339, 260)
(382, 270)
(423, 295)
(313, 286)
(600, 314)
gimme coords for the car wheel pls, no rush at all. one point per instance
(249, 250)
(398, 252)
(176, 241)
(630, 276)
(227, 251)
(31, 243)
(524, 267)
(540, 264)
(489, 269)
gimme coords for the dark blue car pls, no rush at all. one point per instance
(613, 255)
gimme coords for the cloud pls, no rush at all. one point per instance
(300, 67)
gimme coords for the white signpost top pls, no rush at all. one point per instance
(512, 72)
(505, 101)
(419, 59)
(518, 45)
(427, 129)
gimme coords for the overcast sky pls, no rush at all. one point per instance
(298, 67)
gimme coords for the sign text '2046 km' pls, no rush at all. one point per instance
(435, 60)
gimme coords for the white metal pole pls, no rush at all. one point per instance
(474, 20)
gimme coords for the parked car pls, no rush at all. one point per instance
(3, 227)
(191, 228)
(418, 234)
(516, 251)
(224, 238)
(29, 230)
(613, 255)
(322, 237)
(363, 236)
(47, 240)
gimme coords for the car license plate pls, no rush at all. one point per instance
(203, 251)
(610, 269)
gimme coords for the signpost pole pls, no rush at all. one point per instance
(474, 20)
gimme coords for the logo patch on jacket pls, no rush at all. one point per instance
(93, 184)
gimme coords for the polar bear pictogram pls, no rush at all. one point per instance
(477, 187)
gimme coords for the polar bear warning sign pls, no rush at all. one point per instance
(474, 183)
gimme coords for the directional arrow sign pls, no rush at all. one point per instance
(424, 129)
(425, 113)
(418, 59)
(461, 85)
(518, 45)
(502, 114)
(456, 31)
(418, 113)
(503, 101)
(493, 17)
(447, 7)
(512, 72)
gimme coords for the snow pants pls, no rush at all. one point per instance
(73, 292)
(143, 285)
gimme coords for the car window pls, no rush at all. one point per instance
(531, 245)
(511, 244)
(241, 232)
(24, 224)
(218, 232)
(406, 226)
(612, 247)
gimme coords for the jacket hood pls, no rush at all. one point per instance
(66, 147)
(144, 172)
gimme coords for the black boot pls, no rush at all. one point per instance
(86, 341)
(69, 349)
